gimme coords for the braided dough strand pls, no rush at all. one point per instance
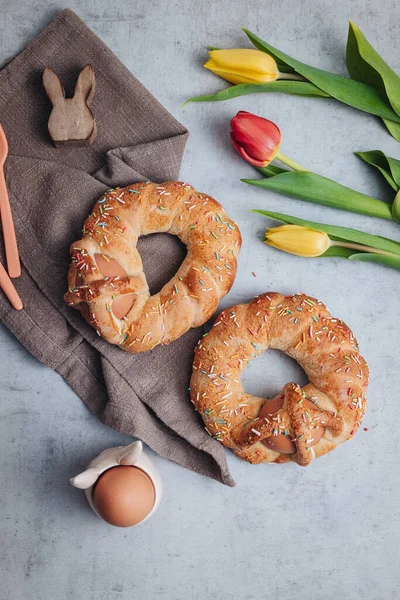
(110, 235)
(315, 419)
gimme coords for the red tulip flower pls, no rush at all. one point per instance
(258, 140)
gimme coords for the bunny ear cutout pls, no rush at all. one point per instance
(131, 454)
(86, 85)
(86, 479)
(53, 86)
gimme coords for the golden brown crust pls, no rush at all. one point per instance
(303, 328)
(191, 297)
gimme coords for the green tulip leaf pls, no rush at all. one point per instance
(394, 166)
(367, 66)
(296, 88)
(389, 167)
(396, 208)
(393, 128)
(337, 252)
(351, 92)
(311, 187)
(284, 68)
(272, 170)
(380, 259)
(340, 233)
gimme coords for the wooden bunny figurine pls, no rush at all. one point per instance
(71, 120)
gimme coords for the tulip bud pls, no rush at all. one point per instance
(256, 139)
(243, 65)
(298, 240)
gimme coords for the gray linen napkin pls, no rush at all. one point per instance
(52, 192)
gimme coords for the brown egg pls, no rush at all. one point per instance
(124, 496)
(272, 406)
(316, 434)
(279, 443)
(109, 267)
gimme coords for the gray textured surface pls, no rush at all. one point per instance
(329, 531)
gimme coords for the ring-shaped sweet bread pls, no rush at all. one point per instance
(106, 279)
(298, 424)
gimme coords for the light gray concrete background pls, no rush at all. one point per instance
(329, 531)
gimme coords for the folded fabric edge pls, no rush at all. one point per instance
(139, 159)
(224, 478)
(90, 396)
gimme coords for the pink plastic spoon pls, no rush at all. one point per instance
(8, 288)
(10, 241)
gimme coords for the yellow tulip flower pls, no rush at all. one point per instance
(298, 240)
(243, 65)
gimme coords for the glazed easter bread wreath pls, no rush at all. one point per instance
(300, 423)
(106, 281)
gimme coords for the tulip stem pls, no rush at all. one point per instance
(294, 76)
(289, 162)
(361, 247)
